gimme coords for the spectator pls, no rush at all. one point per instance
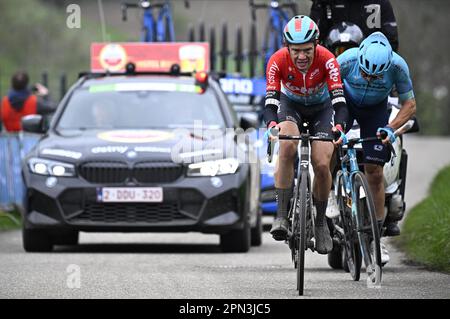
(369, 15)
(22, 101)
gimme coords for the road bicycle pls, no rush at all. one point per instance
(278, 17)
(160, 29)
(356, 230)
(300, 216)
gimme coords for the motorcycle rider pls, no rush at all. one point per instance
(369, 15)
(369, 73)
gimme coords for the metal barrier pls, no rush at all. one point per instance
(13, 148)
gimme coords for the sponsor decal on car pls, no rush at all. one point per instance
(135, 136)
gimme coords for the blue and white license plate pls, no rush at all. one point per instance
(130, 194)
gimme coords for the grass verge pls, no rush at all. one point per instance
(10, 220)
(426, 230)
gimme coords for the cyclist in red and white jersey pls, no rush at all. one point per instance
(304, 83)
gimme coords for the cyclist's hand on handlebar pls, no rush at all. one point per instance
(339, 135)
(386, 134)
(272, 131)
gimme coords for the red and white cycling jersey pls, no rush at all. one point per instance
(306, 88)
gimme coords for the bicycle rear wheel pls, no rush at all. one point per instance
(304, 213)
(368, 232)
(352, 253)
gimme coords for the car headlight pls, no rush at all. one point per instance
(46, 167)
(214, 168)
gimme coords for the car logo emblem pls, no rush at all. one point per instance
(131, 154)
(216, 182)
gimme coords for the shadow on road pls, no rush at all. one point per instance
(140, 248)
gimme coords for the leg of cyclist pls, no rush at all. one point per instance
(288, 119)
(284, 175)
(321, 154)
(375, 156)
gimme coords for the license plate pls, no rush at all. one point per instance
(130, 194)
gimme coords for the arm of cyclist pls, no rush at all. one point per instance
(273, 89)
(389, 24)
(336, 91)
(406, 96)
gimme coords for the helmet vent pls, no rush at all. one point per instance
(374, 68)
(308, 34)
(289, 36)
(367, 65)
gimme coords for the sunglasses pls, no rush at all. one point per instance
(369, 77)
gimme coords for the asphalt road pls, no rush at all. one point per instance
(192, 266)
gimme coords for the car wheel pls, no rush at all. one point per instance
(236, 241)
(257, 231)
(66, 238)
(36, 240)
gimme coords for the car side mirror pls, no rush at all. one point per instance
(33, 124)
(249, 121)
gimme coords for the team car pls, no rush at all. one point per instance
(142, 152)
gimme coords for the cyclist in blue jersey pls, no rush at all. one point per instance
(369, 74)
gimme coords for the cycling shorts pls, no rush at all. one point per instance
(320, 116)
(370, 118)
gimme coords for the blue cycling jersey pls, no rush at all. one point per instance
(363, 92)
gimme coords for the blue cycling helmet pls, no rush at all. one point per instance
(375, 54)
(301, 29)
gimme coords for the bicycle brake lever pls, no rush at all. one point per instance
(383, 136)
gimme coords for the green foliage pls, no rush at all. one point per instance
(9, 220)
(426, 232)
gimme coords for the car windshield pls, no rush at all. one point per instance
(134, 108)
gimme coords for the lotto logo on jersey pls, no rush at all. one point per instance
(332, 69)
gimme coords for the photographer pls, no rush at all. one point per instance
(22, 101)
(369, 15)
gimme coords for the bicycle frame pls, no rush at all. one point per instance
(278, 19)
(154, 30)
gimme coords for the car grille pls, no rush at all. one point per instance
(118, 172)
(109, 213)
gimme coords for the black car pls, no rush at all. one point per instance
(141, 153)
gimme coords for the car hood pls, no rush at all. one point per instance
(180, 146)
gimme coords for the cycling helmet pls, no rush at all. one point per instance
(375, 54)
(343, 36)
(300, 29)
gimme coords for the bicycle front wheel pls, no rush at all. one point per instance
(352, 253)
(367, 227)
(303, 215)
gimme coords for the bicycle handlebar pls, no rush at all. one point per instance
(147, 5)
(274, 131)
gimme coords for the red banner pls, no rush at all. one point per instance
(150, 57)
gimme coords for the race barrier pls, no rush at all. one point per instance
(13, 148)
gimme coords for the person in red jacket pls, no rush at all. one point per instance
(22, 101)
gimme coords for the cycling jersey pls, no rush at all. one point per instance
(311, 88)
(363, 92)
